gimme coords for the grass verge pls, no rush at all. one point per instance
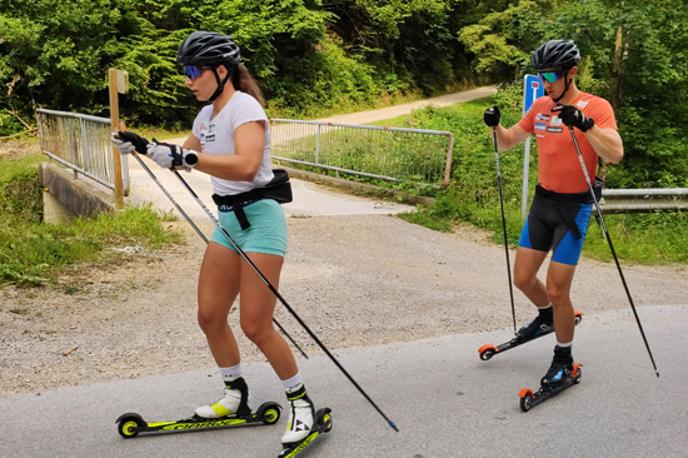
(34, 253)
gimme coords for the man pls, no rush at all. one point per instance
(561, 209)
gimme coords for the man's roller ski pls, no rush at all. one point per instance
(532, 331)
(562, 374)
(229, 412)
(305, 423)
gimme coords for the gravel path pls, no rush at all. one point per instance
(356, 280)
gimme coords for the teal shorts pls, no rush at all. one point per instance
(267, 233)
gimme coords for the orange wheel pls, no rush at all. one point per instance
(487, 351)
(525, 392)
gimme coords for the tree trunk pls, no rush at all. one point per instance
(620, 49)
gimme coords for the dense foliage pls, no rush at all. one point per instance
(319, 56)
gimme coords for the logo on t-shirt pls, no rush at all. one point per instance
(542, 117)
(210, 138)
(581, 104)
(555, 121)
(539, 126)
(555, 130)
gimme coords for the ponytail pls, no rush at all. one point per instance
(244, 82)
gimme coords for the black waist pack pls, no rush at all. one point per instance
(278, 189)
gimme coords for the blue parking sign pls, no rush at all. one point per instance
(532, 90)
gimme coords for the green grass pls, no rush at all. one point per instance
(649, 238)
(642, 238)
(34, 253)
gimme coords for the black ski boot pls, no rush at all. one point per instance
(541, 325)
(560, 370)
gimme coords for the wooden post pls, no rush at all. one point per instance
(118, 82)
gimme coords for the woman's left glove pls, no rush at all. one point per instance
(127, 142)
(171, 156)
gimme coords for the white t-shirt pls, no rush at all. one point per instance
(217, 137)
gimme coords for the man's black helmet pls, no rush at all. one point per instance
(561, 54)
(208, 49)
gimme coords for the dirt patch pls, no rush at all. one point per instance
(14, 149)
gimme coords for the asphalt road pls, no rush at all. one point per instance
(445, 401)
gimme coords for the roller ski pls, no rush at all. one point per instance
(305, 424)
(536, 329)
(562, 374)
(229, 412)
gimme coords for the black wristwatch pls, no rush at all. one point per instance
(191, 158)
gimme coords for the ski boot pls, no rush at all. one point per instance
(562, 374)
(229, 412)
(534, 330)
(234, 402)
(305, 424)
(559, 370)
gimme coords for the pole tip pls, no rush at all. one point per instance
(657, 372)
(393, 425)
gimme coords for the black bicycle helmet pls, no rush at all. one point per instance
(208, 49)
(557, 54)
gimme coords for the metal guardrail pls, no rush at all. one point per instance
(387, 153)
(80, 142)
(644, 200)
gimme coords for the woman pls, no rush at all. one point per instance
(230, 141)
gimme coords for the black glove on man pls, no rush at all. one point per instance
(491, 116)
(573, 117)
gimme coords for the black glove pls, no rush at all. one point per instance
(573, 117)
(491, 116)
(139, 143)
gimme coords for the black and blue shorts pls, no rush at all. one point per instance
(557, 222)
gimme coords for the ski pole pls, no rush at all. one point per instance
(605, 233)
(203, 236)
(283, 301)
(506, 243)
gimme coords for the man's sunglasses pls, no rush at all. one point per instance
(192, 71)
(550, 77)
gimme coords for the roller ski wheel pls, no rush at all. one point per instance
(131, 425)
(529, 399)
(487, 351)
(323, 424)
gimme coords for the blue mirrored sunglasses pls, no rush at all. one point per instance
(192, 71)
(550, 77)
